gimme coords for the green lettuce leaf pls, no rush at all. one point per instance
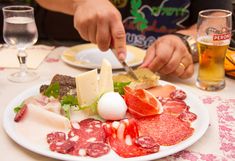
(67, 102)
(69, 99)
(119, 87)
(53, 90)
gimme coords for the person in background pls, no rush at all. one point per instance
(166, 28)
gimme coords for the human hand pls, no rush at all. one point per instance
(100, 22)
(168, 55)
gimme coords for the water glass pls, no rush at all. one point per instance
(20, 31)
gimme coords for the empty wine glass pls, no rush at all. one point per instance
(20, 31)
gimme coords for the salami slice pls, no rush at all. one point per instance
(163, 100)
(21, 113)
(63, 147)
(178, 94)
(165, 129)
(126, 150)
(89, 130)
(97, 149)
(122, 136)
(187, 116)
(145, 142)
(84, 133)
(56, 137)
(174, 107)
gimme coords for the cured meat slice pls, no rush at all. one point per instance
(122, 138)
(163, 100)
(146, 142)
(88, 130)
(56, 137)
(141, 102)
(187, 116)
(21, 113)
(63, 147)
(165, 129)
(97, 149)
(174, 107)
(163, 91)
(125, 150)
(84, 133)
(178, 94)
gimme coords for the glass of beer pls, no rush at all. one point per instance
(213, 37)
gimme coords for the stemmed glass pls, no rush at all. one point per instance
(20, 31)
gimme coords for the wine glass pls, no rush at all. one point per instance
(20, 31)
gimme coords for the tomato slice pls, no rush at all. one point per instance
(141, 103)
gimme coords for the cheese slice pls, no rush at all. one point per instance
(87, 87)
(106, 77)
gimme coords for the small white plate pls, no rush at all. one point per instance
(200, 125)
(90, 57)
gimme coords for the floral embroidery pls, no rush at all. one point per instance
(52, 60)
(225, 111)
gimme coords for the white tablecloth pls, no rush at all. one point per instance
(217, 144)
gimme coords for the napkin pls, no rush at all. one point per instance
(36, 54)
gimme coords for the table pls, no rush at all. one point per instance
(217, 144)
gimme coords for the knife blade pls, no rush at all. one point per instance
(128, 69)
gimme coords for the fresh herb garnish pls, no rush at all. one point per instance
(66, 109)
(90, 109)
(17, 108)
(67, 102)
(119, 87)
(69, 99)
(53, 90)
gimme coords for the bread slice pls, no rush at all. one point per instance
(146, 79)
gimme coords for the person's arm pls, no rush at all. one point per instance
(97, 21)
(170, 56)
(64, 6)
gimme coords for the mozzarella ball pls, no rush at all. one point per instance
(111, 106)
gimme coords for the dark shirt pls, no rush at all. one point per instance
(144, 20)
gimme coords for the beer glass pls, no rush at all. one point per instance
(213, 37)
(20, 31)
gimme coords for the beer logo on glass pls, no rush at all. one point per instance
(218, 35)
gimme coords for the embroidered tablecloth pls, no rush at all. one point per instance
(218, 143)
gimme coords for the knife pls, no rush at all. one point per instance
(128, 69)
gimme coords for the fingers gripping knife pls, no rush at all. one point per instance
(128, 69)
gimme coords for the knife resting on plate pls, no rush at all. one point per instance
(128, 69)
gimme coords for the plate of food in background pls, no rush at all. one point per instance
(90, 57)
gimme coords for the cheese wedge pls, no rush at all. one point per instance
(87, 87)
(106, 80)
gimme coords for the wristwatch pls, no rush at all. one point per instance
(190, 43)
